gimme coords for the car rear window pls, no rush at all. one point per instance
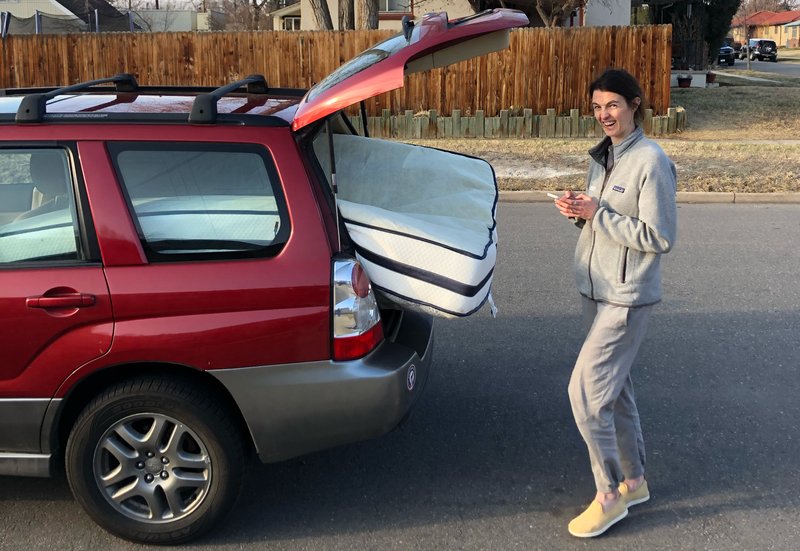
(38, 219)
(202, 201)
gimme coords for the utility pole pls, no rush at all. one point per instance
(747, 38)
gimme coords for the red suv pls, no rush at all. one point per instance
(177, 292)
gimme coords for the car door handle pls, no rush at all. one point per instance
(72, 300)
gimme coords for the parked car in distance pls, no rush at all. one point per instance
(760, 49)
(177, 293)
(725, 56)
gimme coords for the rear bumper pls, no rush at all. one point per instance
(295, 409)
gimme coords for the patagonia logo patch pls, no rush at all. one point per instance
(620, 189)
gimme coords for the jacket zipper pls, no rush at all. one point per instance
(624, 271)
(591, 248)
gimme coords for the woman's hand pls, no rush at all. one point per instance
(576, 206)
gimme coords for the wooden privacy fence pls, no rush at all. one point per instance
(542, 69)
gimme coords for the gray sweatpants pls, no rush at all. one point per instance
(601, 391)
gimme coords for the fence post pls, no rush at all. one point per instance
(386, 123)
(504, 123)
(527, 123)
(456, 116)
(480, 124)
(647, 123)
(574, 123)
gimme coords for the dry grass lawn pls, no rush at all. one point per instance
(741, 137)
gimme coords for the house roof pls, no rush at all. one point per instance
(767, 18)
(291, 9)
(111, 19)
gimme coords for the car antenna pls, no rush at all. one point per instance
(334, 187)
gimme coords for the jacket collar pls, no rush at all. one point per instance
(600, 151)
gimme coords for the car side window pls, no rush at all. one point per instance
(203, 201)
(38, 219)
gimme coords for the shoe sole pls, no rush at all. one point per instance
(603, 529)
(638, 501)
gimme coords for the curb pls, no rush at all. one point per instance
(682, 197)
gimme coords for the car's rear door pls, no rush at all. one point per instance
(55, 311)
(213, 246)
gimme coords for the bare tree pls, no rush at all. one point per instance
(368, 14)
(256, 9)
(322, 15)
(347, 16)
(752, 6)
(553, 12)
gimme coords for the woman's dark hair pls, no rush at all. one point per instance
(623, 83)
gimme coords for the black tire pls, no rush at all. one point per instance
(155, 460)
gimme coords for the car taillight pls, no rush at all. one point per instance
(356, 324)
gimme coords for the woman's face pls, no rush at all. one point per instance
(615, 115)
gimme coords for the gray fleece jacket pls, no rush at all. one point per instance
(617, 259)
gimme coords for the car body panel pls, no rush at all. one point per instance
(300, 408)
(434, 42)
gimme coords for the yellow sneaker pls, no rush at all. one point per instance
(640, 495)
(594, 521)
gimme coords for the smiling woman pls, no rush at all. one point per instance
(627, 217)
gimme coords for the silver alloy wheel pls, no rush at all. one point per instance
(152, 468)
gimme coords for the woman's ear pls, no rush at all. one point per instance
(637, 101)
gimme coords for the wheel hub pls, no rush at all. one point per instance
(152, 468)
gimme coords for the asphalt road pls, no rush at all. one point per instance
(491, 458)
(786, 67)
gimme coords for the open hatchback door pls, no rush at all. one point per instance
(433, 42)
(421, 221)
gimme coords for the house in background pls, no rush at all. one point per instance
(300, 16)
(766, 24)
(792, 34)
(72, 16)
(171, 20)
(287, 18)
(55, 16)
(601, 13)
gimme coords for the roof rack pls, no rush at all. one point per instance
(34, 106)
(204, 107)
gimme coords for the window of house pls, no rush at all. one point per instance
(203, 201)
(395, 5)
(291, 23)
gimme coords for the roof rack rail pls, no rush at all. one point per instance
(34, 106)
(204, 107)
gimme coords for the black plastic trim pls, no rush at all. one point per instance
(33, 106)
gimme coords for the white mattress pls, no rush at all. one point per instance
(422, 222)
